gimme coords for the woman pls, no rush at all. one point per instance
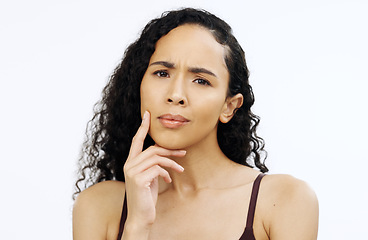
(175, 132)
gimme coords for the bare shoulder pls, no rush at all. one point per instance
(286, 186)
(100, 195)
(97, 209)
(291, 208)
(100, 189)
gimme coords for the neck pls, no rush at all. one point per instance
(205, 167)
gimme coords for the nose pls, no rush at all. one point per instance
(175, 101)
(176, 94)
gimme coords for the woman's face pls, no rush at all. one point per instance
(185, 88)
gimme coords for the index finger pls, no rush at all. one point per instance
(138, 139)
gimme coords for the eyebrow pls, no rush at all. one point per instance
(201, 70)
(191, 69)
(163, 63)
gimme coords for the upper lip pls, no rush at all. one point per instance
(174, 117)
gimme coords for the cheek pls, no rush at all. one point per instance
(212, 115)
(209, 112)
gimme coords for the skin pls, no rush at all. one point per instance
(171, 187)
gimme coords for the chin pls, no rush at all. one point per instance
(169, 139)
(171, 145)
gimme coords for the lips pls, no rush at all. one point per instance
(173, 121)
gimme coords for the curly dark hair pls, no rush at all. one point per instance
(117, 115)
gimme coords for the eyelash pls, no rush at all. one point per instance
(204, 82)
(160, 72)
(200, 81)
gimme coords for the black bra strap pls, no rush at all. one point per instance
(123, 218)
(253, 200)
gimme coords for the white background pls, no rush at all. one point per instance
(308, 63)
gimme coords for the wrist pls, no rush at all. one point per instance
(135, 231)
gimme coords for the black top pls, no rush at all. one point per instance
(248, 231)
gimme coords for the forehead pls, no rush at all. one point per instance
(191, 45)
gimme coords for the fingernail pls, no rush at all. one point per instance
(144, 116)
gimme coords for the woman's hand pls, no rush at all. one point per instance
(142, 170)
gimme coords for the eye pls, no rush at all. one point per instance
(202, 82)
(161, 73)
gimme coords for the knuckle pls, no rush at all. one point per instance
(135, 138)
(162, 171)
(152, 148)
(128, 174)
(157, 168)
(127, 165)
(161, 151)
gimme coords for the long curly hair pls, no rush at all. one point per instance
(117, 115)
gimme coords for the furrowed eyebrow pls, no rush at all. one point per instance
(163, 63)
(202, 70)
(191, 69)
